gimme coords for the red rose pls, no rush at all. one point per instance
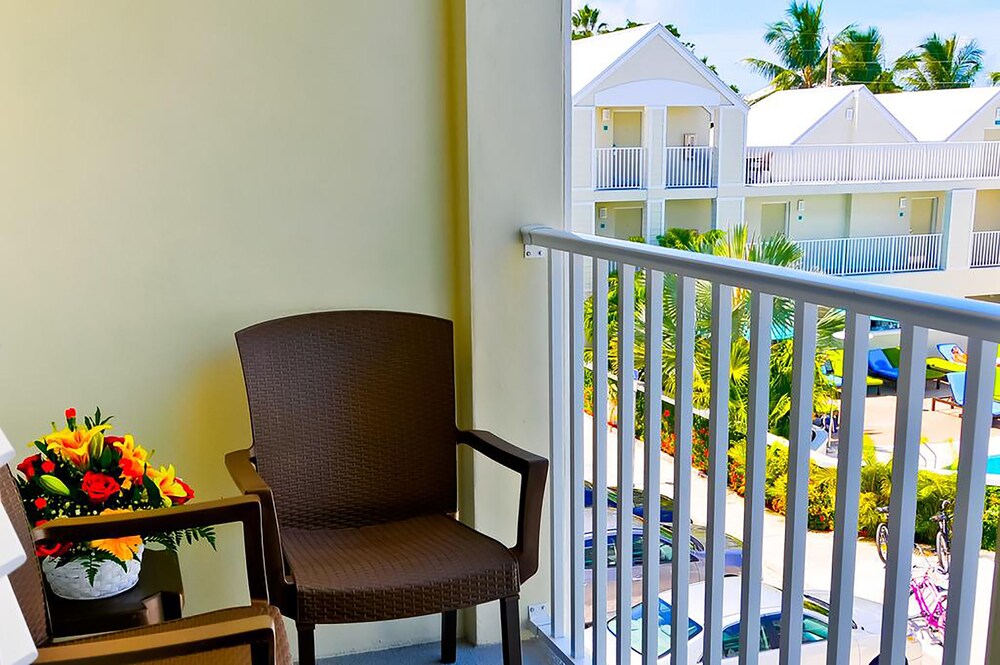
(70, 413)
(27, 466)
(114, 439)
(44, 549)
(40, 502)
(48, 466)
(99, 487)
(187, 491)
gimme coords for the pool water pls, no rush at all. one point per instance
(993, 464)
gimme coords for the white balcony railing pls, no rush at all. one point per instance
(878, 162)
(872, 255)
(570, 255)
(620, 168)
(689, 166)
(985, 249)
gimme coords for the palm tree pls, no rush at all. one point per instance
(736, 243)
(798, 42)
(994, 78)
(858, 58)
(940, 63)
(587, 22)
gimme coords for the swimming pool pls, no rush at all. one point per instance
(993, 464)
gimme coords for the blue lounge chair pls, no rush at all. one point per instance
(956, 382)
(880, 367)
(947, 351)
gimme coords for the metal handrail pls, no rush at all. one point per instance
(956, 315)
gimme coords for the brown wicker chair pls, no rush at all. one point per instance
(252, 635)
(354, 442)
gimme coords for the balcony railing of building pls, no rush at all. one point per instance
(689, 166)
(563, 624)
(620, 168)
(875, 255)
(876, 162)
(985, 249)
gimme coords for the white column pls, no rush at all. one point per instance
(655, 119)
(730, 132)
(727, 212)
(654, 220)
(582, 149)
(959, 215)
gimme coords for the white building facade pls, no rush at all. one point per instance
(901, 188)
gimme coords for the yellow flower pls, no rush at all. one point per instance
(123, 549)
(72, 445)
(172, 489)
(133, 461)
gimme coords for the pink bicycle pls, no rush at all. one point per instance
(932, 604)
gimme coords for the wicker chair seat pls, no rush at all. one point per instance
(422, 565)
(232, 656)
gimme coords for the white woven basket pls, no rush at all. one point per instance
(70, 581)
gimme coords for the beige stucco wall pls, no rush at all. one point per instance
(869, 125)
(683, 120)
(824, 216)
(651, 61)
(987, 211)
(975, 129)
(689, 214)
(878, 214)
(173, 172)
(609, 227)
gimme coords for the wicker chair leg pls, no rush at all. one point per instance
(449, 636)
(510, 630)
(307, 643)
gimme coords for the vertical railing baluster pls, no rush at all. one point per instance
(718, 463)
(626, 445)
(599, 494)
(849, 446)
(761, 308)
(558, 508)
(797, 508)
(683, 424)
(903, 497)
(651, 479)
(576, 452)
(977, 414)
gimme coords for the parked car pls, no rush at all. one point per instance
(696, 552)
(638, 509)
(815, 620)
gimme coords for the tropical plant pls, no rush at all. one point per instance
(941, 63)
(994, 78)
(738, 243)
(858, 58)
(797, 40)
(587, 22)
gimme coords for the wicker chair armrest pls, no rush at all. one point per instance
(533, 470)
(258, 632)
(242, 509)
(241, 469)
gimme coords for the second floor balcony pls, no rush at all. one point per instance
(871, 163)
(630, 168)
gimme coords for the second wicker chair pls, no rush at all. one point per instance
(354, 461)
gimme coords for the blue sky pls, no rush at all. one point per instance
(730, 30)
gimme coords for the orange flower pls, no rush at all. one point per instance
(123, 549)
(172, 489)
(72, 445)
(133, 461)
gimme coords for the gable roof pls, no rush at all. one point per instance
(786, 117)
(594, 58)
(783, 117)
(936, 115)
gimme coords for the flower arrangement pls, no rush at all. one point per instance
(81, 470)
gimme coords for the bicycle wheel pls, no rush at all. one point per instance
(943, 555)
(882, 541)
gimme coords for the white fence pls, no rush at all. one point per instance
(693, 166)
(985, 249)
(645, 635)
(872, 255)
(876, 162)
(620, 168)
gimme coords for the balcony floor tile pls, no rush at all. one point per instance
(535, 653)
